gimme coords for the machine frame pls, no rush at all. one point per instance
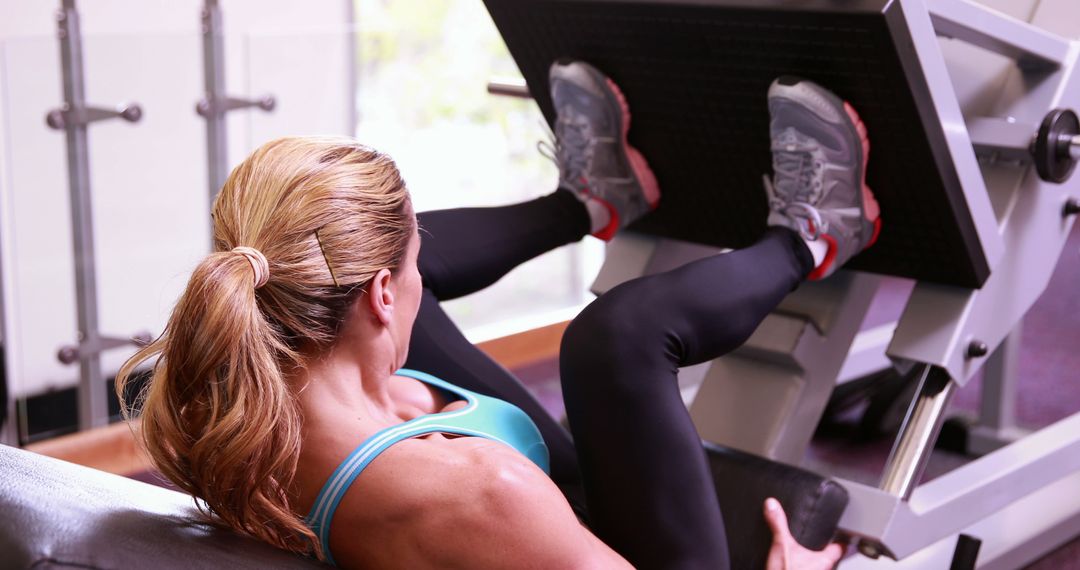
(1020, 498)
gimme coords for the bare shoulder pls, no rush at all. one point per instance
(468, 502)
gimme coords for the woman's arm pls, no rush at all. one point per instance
(460, 502)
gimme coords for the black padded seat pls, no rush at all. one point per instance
(55, 514)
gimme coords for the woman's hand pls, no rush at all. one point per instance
(786, 553)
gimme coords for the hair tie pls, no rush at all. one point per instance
(258, 262)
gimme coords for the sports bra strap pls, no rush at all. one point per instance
(514, 425)
(337, 485)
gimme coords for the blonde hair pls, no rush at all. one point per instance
(218, 417)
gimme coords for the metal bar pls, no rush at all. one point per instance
(217, 162)
(968, 494)
(996, 426)
(93, 410)
(967, 21)
(8, 433)
(909, 455)
(1014, 536)
(216, 103)
(1001, 138)
(352, 46)
(998, 407)
(928, 77)
(509, 87)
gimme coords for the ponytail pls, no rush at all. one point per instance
(218, 418)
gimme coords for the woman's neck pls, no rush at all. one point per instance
(349, 378)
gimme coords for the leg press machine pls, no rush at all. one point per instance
(974, 139)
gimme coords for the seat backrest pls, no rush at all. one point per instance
(61, 515)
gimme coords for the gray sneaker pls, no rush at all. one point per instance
(595, 161)
(820, 150)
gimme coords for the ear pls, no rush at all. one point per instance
(381, 297)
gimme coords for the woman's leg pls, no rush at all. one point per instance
(464, 250)
(604, 185)
(650, 492)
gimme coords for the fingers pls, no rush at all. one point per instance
(777, 520)
(832, 553)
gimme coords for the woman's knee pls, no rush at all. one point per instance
(615, 331)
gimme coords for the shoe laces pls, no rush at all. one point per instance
(797, 182)
(571, 149)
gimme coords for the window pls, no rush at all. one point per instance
(422, 97)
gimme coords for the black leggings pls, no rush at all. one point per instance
(639, 458)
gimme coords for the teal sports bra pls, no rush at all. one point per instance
(483, 416)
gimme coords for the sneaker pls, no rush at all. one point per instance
(820, 150)
(595, 161)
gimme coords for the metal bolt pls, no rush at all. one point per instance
(1072, 207)
(977, 349)
(869, 549)
(131, 113)
(68, 354)
(55, 119)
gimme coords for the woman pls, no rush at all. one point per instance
(285, 395)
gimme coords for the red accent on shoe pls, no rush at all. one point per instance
(820, 271)
(874, 236)
(870, 205)
(649, 186)
(612, 228)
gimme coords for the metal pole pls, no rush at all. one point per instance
(351, 73)
(996, 425)
(8, 433)
(92, 403)
(998, 407)
(214, 74)
(73, 118)
(909, 456)
(216, 102)
(509, 87)
(915, 442)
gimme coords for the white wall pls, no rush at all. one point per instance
(148, 180)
